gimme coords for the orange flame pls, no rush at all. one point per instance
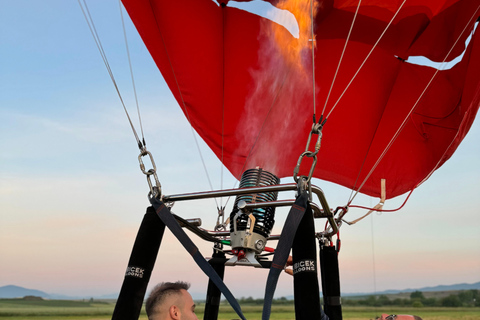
(281, 90)
(292, 50)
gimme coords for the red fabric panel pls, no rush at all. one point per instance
(223, 63)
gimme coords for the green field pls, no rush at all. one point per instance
(19, 309)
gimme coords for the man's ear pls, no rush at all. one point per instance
(174, 312)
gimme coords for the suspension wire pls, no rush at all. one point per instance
(91, 26)
(366, 58)
(366, 154)
(422, 181)
(221, 164)
(361, 66)
(402, 125)
(223, 108)
(183, 104)
(341, 56)
(373, 261)
(203, 161)
(131, 71)
(361, 168)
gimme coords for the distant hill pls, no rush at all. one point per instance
(453, 287)
(11, 291)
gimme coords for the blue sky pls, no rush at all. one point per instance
(72, 195)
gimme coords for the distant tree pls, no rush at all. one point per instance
(383, 301)
(281, 300)
(430, 302)
(417, 304)
(350, 302)
(466, 297)
(469, 297)
(417, 295)
(370, 301)
(251, 300)
(32, 298)
(476, 298)
(451, 301)
(476, 293)
(399, 302)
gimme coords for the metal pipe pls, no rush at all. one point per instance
(251, 190)
(229, 192)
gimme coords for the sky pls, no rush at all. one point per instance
(72, 195)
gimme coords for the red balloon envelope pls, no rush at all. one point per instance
(252, 102)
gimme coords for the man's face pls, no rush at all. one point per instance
(188, 310)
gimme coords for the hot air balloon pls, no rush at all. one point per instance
(344, 101)
(253, 105)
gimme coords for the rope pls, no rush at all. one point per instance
(383, 210)
(377, 208)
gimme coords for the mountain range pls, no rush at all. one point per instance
(12, 291)
(452, 287)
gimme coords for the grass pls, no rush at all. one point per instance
(31, 309)
(18, 309)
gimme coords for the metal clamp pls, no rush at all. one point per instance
(316, 129)
(155, 190)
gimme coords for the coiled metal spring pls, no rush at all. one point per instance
(264, 217)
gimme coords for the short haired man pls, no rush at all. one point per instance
(171, 300)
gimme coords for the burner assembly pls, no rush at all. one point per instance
(250, 228)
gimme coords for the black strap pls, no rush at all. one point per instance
(212, 302)
(283, 249)
(166, 216)
(305, 276)
(140, 266)
(331, 282)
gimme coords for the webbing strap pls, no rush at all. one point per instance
(140, 266)
(305, 277)
(283, 250)
(166, 216)
(331, 282)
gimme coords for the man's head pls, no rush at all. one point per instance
(170, 300)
